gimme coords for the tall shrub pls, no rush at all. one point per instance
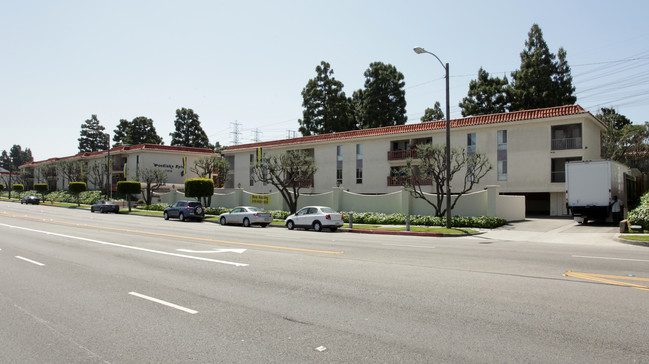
(42, 188)
(129, 188)
(18, 188)
(199, 187)
(76, 188)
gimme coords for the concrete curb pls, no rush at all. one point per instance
(619, 238)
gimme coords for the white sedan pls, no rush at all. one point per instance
(246, 216)
(316, 218)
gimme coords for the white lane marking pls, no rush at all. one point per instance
(238, 251)
(29, 260)
(169, 304)
(129, 246)
(610, 258)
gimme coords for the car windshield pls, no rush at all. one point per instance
(254, 209)
(194, 204)
(328, 210)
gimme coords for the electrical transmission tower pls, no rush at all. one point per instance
(290, 134)
(236, 133)
(256, 138)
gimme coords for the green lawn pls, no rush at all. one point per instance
(415, 229)
(636, 237)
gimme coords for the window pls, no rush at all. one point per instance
(502, 155)
(566, 137)
(359, 163)
(339, 165)
(559, 168)
(470, 143)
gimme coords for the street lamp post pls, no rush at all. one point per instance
(420, 50)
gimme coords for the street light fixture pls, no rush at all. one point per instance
(420, 50)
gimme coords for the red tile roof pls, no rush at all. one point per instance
(418, 127)
(126, 148)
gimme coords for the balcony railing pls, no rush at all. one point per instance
(566, 143)
(402, 154)
(399, 180)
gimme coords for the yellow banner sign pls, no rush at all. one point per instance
(260, 199)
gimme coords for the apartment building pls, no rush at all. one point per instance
(125, 164)
(527, 150)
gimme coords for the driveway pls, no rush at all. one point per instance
(560, 230)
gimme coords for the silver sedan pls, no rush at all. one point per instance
(246, 216)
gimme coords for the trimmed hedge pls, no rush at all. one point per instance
(424, 220)
(77, 187)
(640, 215)
(41, 187)
(199, 187)
(17, 187)
(129, 187)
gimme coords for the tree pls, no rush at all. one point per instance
(18, 187)
(289, 172)
(129, 188)
(199, 187)
(541, 81)
(153, 178)
(93, 138)
(563, 81)
(433, 114)
(487, 95)
(138, 131)
(42, 188)
(213, 167)
(70, 170)
(76, 188)
(15, 158)
(326, 108)
(189, 132)
(613, 144)
(97, 174)
(431, 166)
(383, 100)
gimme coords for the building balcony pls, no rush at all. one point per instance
(394, 155)
(566, 143)
(399, 180)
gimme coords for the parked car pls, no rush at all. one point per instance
(246, 216)
(316, 218)
(30, 199)
(184, 210)
(105, 206)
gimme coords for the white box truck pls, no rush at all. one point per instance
(590, 186)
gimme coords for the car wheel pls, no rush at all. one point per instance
(166, 216)
(317, 226)
(181, 217)
(222, 221)
(92, 209)
(333, 229)
(246, 222)
(290, 225)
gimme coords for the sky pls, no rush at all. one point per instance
(241, 65)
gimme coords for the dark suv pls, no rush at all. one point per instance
(184, 210)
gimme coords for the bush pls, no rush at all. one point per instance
(86, 198)
(77, 187)
(640, 215)
(279, 214)
(41, 187)
(2, 187)
(199, 187)
(216, 210)
(376, 218)
(129, 188)
(154, 207)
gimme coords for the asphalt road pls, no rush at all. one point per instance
(78, 287)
